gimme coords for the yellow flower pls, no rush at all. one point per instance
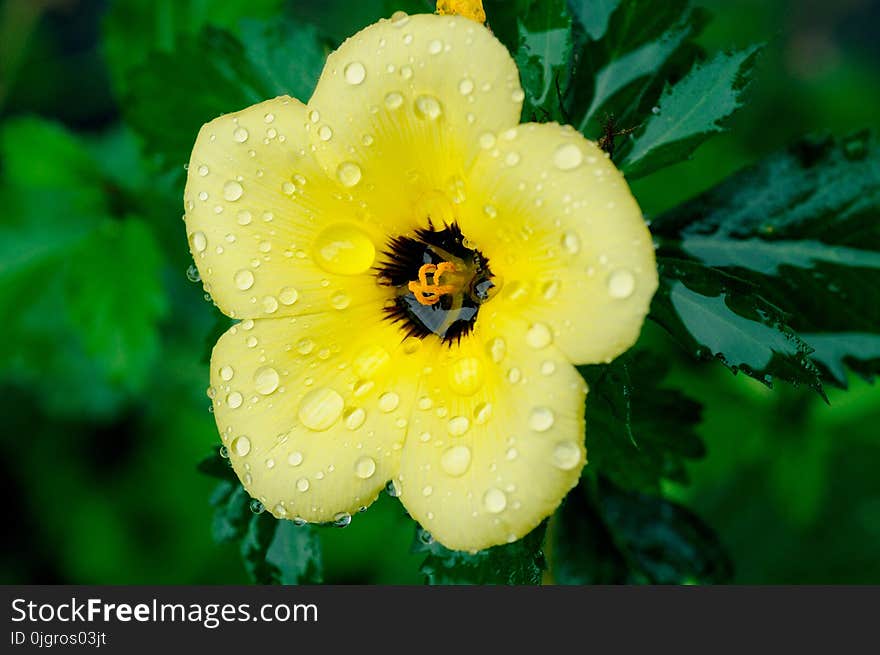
(416, 275)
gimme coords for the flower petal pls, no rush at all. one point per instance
(496, 440)
(268, 230)
(312, 410)
(560, 227)
(400, 107)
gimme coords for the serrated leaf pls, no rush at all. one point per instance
(714, 314)
(232, 512)
(544, 57)
(519, 563)
(637, 432)
(800, 229)
(607, 536)
(691, 111)
(173, 95)
(279, 552)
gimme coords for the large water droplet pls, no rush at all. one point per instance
(295, 458)
(342, 520)
(566, 455)
(234, 400)
(340, 300)
(365, 467)
(466, 376)
(458, 425)
(355, 73)
(389, 401)
(494, 500)
(240, 135)
(348, 173)
(539, 336)
(241, 446)
(244, 279)
(428, 107)
(541, 419)
(325, 133)
(344, 249)
(226, 373)
(568, 156)
(288, 296)
(621, 284)
(266, 380)
(302, 484)
(232, 191)
(320, 409)
(393, 100)
(355, 417)
(455, 461)
(199, 241)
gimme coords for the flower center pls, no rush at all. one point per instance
(439, 282)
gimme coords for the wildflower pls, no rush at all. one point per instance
(415, 275)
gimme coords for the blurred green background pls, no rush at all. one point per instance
(103, 357)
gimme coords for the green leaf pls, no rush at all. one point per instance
(232, 512)
(691, 111)
(280, 552)
(714, 314)
(80, 283)
(174, 94)
(607, 536)
(519, 563)
(799, 231)
(594, 15)
(544, 57)
(637, 432)
(134, 29)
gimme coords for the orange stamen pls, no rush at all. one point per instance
(428, 293)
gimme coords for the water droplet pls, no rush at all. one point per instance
(199, 241)
(244, 279)
(270, 304)
(566, 455)
(270, 463)
(314, 115)
(514, 375)
(571, 242)
(539, 336)
(655, 110)
(393, 100)
(399, 18)
(241, 446)
(256, 506)
(541, 419)
(355, 417)
(244, 217)
(192, 274)
(494, 501)
(269, 117)
(344, 249)
(548, 367)
(392, 489)
(226, 373)
(482, 412)
(621, 284)
(518, 95)
(355, 73)
(342, 520)
(295, 458)
(302, 484)
(340, 300)
(550, 289)
(568, 156)
(455, 461)
(427, 490)
(466, 376)
(389, 401)
(512, 158)
(349, 173)
(240, 135)
(234, 400)
(288, 296)
(305, 346)
(511, 454)
(496, 348)
(320, 409)
(428, 107)
(325, 133)
(232, 191)
(465, 88)
(458, 425)
(365, 467)
(266, 380)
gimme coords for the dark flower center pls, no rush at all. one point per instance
(439, 282)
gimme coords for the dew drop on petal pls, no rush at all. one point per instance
(621, 284)
(539, 336)
(458, 425)
(455, 461)
(325, 133)
(494, 501)
(355, 73)
(465, 88)
(389, 401)
(244, 279)
(344, 249)
(567, 157)
(354, 418)
(241, 446)
(348, 173)
(226, 373)
(518, 95)
(234, 400)
(571, 242)
(270, 304)
(541, 419)
(320, 409)
(295, 458)
(199, 241)
(393, 100)
(365, 467)
(266, 380)
(232, 191)
(288, 296)
(482, 412)
(340, 300)
(302, 484)
(428, 107)
(240, 135)
(566, 455)
(466, 376)
(496, 348)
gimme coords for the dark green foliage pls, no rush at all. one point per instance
(280, 552)
(519, 563)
